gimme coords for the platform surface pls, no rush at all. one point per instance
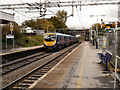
(13, 50)
(79, 70)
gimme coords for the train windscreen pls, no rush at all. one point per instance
(49, 37)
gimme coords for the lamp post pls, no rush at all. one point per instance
(48, 28)
(96, 29)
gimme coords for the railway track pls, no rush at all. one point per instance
(17, 55)
(28, 79)
(16, 64)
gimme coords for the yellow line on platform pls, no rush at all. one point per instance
(82, 66)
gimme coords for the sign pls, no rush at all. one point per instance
(104, 42)
(109, 30)
(118, 12)
(10, 36)
(11, 27)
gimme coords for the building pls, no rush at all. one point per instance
(29, 30)
(6, 18)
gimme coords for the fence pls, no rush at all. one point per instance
(117, 76)
(110, 36)
(113, 46)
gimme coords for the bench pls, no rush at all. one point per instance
(105, 59)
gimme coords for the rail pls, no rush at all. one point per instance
(53, 61)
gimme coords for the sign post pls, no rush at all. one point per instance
(96, 29)
(10, 36)
(11, 28)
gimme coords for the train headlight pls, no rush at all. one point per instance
(54, 43)
(45, 43)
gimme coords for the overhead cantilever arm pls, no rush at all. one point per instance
(53, 4)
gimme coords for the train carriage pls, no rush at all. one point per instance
(53, 40)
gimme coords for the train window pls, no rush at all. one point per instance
(65, 38)
(49, 37)
(70, 38)
(60, 38)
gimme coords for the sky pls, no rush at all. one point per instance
(81, 19)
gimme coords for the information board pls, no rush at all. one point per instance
(9, 36)
(104, 42)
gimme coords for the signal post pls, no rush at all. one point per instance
(10, 36)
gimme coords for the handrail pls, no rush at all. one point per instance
(109, 52)
(117, 57)
(116, 75)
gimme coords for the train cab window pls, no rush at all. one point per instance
(49, 37)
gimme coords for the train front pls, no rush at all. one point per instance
(49, 40)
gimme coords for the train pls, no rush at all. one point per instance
(53, 40)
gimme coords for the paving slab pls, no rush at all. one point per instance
(88, 73)
(79, 70)
(57, 75)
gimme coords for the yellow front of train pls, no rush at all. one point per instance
(49, 40)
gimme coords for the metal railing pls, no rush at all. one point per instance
(113, 46)
(117, 77)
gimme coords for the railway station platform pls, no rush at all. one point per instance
(79, 69)
(14, 50)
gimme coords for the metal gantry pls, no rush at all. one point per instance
(42, 6)
(49, 4)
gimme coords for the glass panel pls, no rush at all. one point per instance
(49, 37)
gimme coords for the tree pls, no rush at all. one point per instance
(39, 23)
(48, 26)
(57, 22)
(17, 30)
(5, 30)
(118, 24)
(62, 15)
(96, 26)
(29, 23)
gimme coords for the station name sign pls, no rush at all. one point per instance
(9, 36)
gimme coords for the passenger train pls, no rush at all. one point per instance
(53, 40)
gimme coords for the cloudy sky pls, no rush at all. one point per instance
(81, 19)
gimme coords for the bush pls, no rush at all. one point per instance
(29, 41)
